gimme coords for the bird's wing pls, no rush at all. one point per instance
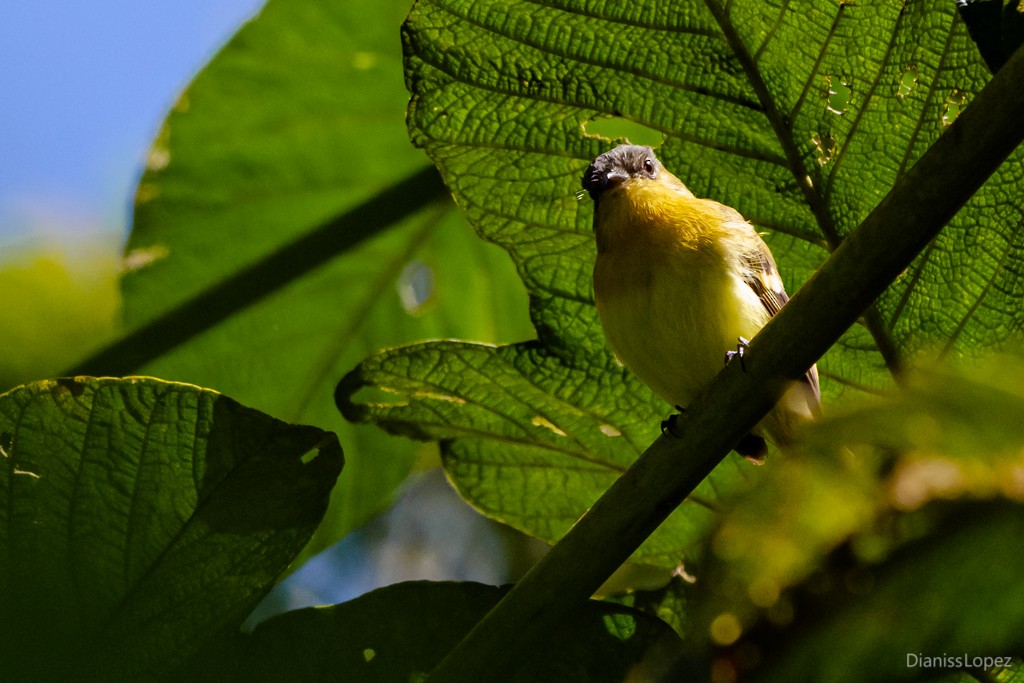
(763, 277)
(759, 271)
(758, 267)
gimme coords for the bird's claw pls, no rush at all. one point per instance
(741, 348)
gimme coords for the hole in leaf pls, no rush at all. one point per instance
(72, 385)
(908, 81)
(826, 146)
(954, 105)
(837, 95)
(615, 128)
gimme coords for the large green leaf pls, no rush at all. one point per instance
(287, 150)
(401, 632)
(801, 118)
(533, 454)
(893, 529)
(956, 595)
(943, 436)
(141, 519)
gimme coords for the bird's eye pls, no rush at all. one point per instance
(649, 167)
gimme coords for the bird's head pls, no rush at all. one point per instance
(613, 168)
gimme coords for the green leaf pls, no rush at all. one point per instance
(800, 118)
(532, 454)
(401, 632)
(281, 219)
(898, 508)
(743, 101)
(140, 519)
(670, 603)
(969, 413)
(957, 594)
(780, 533)
(1012, 674)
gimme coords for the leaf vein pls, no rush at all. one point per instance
(862, 110)
(989, 284)
(812, 74)
(771, 32)
(580, 59)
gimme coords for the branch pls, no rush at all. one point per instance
(867, 262)
(253, 283)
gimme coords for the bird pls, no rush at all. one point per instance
(679, 283)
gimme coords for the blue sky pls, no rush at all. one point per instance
(83, 89)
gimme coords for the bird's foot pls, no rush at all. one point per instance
(741, 349)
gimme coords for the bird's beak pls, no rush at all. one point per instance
(615, 177)
(596, 181)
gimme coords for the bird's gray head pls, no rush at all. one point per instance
(618, 165)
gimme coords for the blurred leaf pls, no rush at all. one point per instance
(68, 287)
(401, 632)
(140, 519)
(292, 133)
(1012, 674)
(781, 532)
(874, 499)
(801, 119)
(954, 594)
(968, 413)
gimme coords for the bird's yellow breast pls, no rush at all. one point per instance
(670, 298)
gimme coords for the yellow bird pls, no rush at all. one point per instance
(679, 281)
